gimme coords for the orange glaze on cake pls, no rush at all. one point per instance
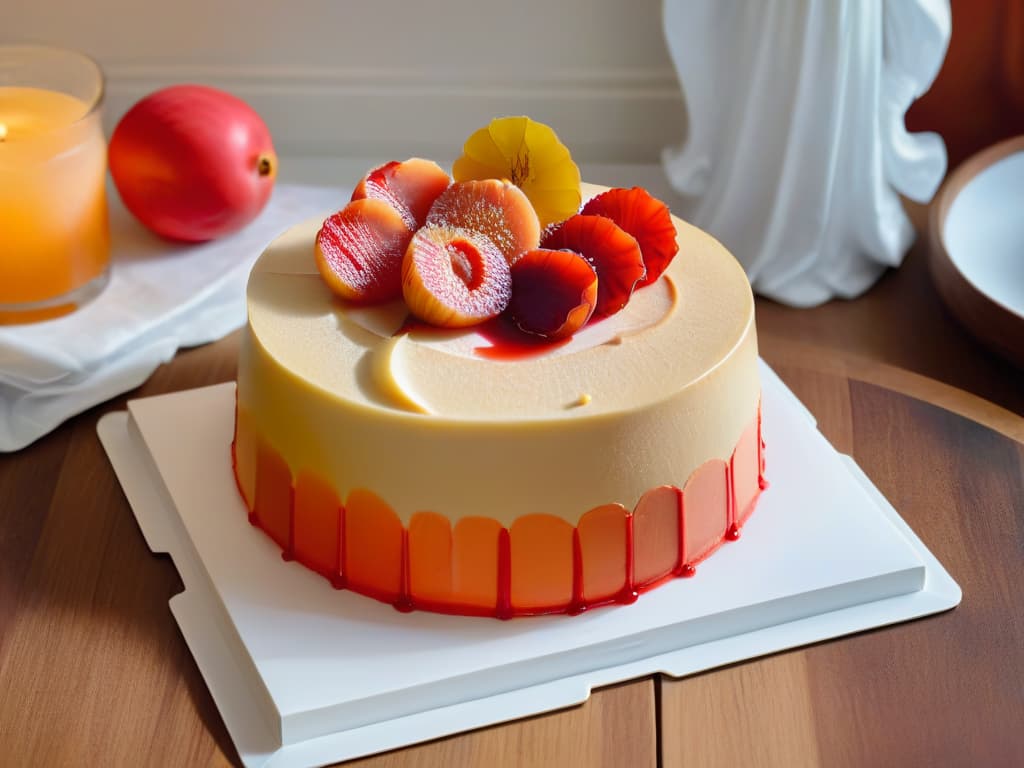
(540, 564)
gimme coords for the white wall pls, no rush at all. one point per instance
(389, 78)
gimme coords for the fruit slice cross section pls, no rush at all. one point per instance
(410, 187)
(359, 251)
(497, 209)
(454, 277)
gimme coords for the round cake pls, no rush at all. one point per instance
(466, 472)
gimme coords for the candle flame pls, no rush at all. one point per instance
(3, 131)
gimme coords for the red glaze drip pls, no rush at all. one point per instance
(681, 526)
(730, 494)
(503, 610)
(761, 482)
(510, 343)
(339, 579)
(404, 603)
(238, 483)
(288, 554)
(579, 603)
(629, 592)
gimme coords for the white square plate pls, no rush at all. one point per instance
(304, 674)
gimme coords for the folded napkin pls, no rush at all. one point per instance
(162, 296)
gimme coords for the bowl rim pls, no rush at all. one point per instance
(991, 321)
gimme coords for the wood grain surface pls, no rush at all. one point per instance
(94, 671)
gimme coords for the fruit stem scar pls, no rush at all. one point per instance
(265, 165)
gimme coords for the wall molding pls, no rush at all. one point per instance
(603, 115)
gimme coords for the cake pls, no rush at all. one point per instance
(471, 472)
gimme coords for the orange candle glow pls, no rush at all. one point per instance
(54, 237)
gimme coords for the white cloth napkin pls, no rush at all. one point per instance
(162, 296)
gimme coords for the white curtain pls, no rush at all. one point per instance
(796, 151)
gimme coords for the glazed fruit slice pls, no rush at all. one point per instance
(530, 155)
(454, 277)
(644, 217)
(612, 252)
(410, 187)
(495, 208)
(553, 293)
(359, 251)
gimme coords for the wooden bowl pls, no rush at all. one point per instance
(976, 238)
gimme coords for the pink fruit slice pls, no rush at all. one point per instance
(613, 253)
(492, 207)
(410, 187)
(359, 251)
(553, 293)
(454, 278)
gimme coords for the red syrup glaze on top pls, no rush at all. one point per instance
(508, 342)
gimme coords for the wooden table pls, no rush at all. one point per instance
(93, 669)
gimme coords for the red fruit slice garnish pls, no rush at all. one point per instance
(453, 278)
(553, 293)
(612, 252)
(410, 187)
(359, 251)
(495, 208)
(644, 217)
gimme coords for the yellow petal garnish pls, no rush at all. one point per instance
(528, 154)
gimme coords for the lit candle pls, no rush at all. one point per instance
(54, 238)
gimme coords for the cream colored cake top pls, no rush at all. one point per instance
(679, 329)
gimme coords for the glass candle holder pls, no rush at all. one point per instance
(54, 232)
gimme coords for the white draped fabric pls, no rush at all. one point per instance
(796, 152)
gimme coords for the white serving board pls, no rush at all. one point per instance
(304, 674)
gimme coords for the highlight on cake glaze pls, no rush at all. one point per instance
(540, 564)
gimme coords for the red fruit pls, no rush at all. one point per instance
(611, 251)
(647, 219)
(410, 187)
(192, 163)
(359, 251)
(553, 292)
(454, 278)
(495, 208)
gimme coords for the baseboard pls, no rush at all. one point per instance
(619, 116)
